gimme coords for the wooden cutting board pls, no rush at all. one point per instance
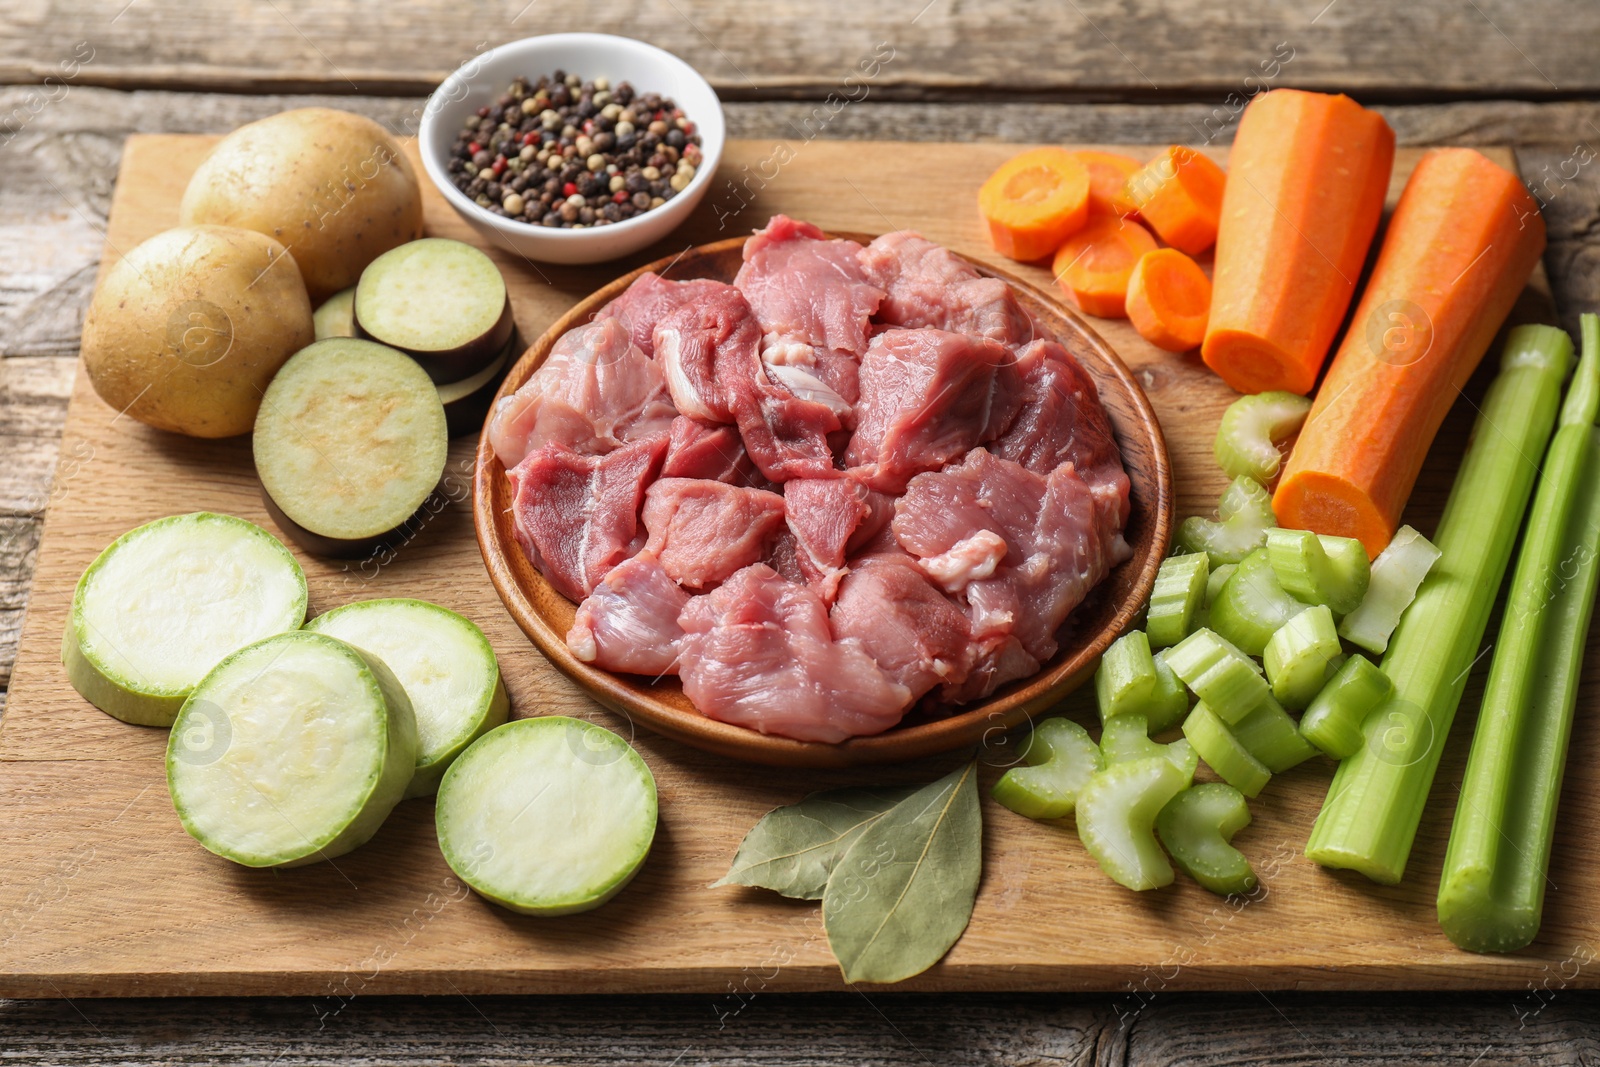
(102, 893)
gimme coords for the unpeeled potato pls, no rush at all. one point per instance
(186, 330)
(333, 187)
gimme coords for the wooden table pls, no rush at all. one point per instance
(77, 76)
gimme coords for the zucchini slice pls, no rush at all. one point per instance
(445, 665)
(165, 602)
(290, 751)
(350, 441)
(547, 816)
(467, 402)
(441, 302)
(336, 317)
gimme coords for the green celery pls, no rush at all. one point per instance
(1126, 738)
(1252, 606)
(1252, 429)
(1333, 721)
(1197, 827)
(1059, 759)
(1175, 600)
(1320, 570)
(1215, 743)
(1370, 816)
(1298, 655)
(1126, 679)
(1396, 574)
(1217, 579)
(1491, 894)
(1169, 703)
(1244, 516)
(1117, 812)
(1271, 736)
(1219, 674)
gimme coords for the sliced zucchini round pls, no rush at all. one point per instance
(337, 315)
(547, 816)
(467, 402)
(165, 602)
(445, 665)
(441, 302)
(350, 441)
(290, 751)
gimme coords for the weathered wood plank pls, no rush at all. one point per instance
(1089, 49)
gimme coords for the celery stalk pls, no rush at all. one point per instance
(1059, 760)
(1216, 580)
(1197, 827)
(1298, 655)
(1219, 674)
(1320, 570)
(1175, 600)
(1117, 812)
(1251, 430)
(1333, 721)
(1126, 679)
(1370, 816)
(1396, 574)
(1271, 736)
(1491, 894)
(1252, 606)
(1169, 702)
(1215, 743)
(1244, 516)
(1126, 738)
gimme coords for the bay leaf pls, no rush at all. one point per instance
(902, 893)
(793, 849)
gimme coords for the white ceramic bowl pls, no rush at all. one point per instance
(481, 80)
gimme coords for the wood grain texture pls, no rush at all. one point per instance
(1087, 49)
(187, 922)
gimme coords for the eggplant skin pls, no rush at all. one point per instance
(463, 361)
(373, 548)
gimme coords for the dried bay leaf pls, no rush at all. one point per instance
(793, 849)
(902, 893)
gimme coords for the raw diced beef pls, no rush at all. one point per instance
(595, 391)
(649, 299)
(630, 621)
(927, 397)
(785, 434)
(823, 514)
(577, 516)
(784, 556)
(758, 652)
(702, 530)
(698, 449)
(703, 344)
(906, 625)
(925, 284)
(996, 660)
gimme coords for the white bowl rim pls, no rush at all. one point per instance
(428, 131)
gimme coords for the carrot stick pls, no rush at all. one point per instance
(1094, 264)
(1308, 177)
(1460, 247)
(1168, 298)
(1178, 194)
(1108, 174)
(1034, 201)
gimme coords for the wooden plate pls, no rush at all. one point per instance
(545, 615)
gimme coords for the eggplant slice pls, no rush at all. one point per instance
(441, 302)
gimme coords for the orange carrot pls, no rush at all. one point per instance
(1308, 176)
(1094, 264)
(1108, 173)
(1168, 297)
(1034, 201)
(1459, 249)
(1178, 194)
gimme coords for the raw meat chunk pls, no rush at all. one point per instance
(596, 390)
(823, 514)
(702, 531)
(648, 300)
(784, 556)
(966, 561)
(1062, 421)
(702, 344)
(996, 660)
(577, 516)
(906, 625)
(698, 449)
(758, 652)
(630, 622)
(785, 434)
(927, 397)
(927, 285)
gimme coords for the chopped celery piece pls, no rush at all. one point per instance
(1059, 759)
(1223, 753)
(1252, 606)
(1244, 516)
(1298, 655)
(1117, 812)
(1491, 893)
(1219, 674)
(1271, 736)
(1126, 738)
(1396, 574)
(1319, 570)
(1126, 680)
(1169, 703)
(1217, 579)
(1197, 826)
(1251, 430)
(1333, 721)
(1176, 598)
(1374, 804)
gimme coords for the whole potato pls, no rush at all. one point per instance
(188, 328)
(332, 186)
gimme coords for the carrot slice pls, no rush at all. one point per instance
(1458, 251)
(1178, 194)
(1108, 174)
(1309, 174)
(1034, 201)
(1168, 299)
(1094, 264)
